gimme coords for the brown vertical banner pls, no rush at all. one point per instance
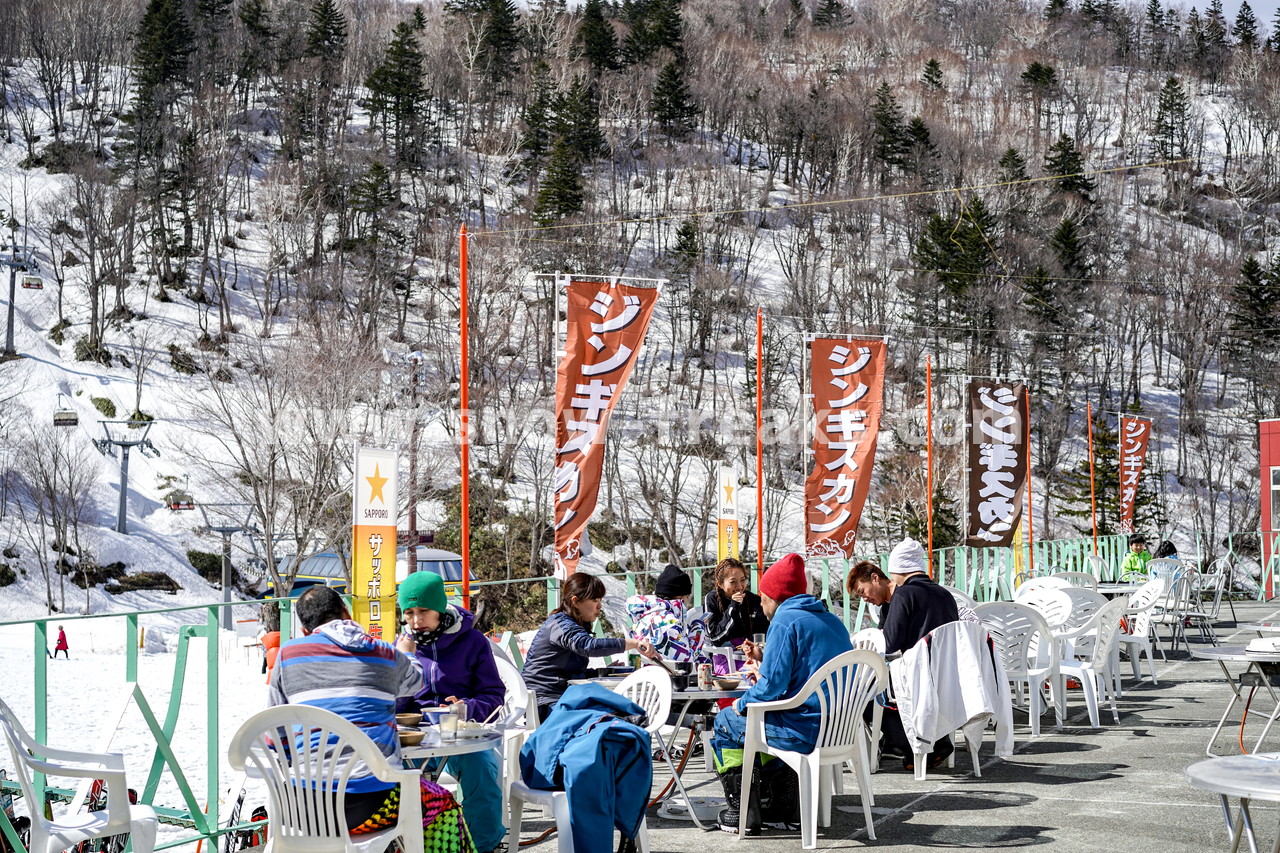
(847, 381)
(1135, 433)
(997, 461)
(606, 328)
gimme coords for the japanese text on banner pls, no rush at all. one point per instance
(847, 382)
(1135, 435)
(606, 328)
(997, 461)
(373, 557)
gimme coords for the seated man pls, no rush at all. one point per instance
(802, 637)
(335, 665)
(916, 606)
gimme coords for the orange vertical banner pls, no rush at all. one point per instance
(607, 322)
(1135, 435)
(1093, 490)
(847, 385)
(928, 444)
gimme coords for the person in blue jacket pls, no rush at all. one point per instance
(564, 645)
(802, 637)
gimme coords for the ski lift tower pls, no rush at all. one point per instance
(125, 435)
(16, 257)
(226, 519)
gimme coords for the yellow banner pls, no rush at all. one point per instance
(373, 558)
(727, 519)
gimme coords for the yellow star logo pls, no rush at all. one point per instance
(375, 486)
(728, 493)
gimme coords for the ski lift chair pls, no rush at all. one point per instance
(51, 836)
(64, 415)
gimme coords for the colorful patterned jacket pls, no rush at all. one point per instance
(665, 623)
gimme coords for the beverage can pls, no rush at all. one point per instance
(704, 676)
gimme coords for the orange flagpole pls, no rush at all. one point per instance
(928, 443)
(1093, 493)
(464, 382)
(1031, 520)
(759, 442)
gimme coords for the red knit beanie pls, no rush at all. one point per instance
(785, 578)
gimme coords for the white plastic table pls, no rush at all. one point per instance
(691, 804)
(1239, 654)
(1245, 777)
(491, 739)
(1261, 627)
(1111, 590)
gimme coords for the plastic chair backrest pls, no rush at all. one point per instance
(650, 688)
(307, 786)
(1037, 584)
(1163, 567)
(516, 706)
(1020, 635)
(1097, 565)
(869, 640)
(1052, 604)
(1083, 580)
(963, 599)
(844, 685)
(1107, 622)
(1084, 603)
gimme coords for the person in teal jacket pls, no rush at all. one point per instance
(802, 637)
(1138, 557)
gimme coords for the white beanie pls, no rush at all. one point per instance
(906, 558)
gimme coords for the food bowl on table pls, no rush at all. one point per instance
(411, 737)
(409, 719)
(432, 715)
(728, 682)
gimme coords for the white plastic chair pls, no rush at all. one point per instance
(1139, 609)
(307, 788)
(519, 717)
(870, 640)
(963, 599)
(1038, 584)
(650, 688)
(1173, 610)
(1097, 566)
(1083, 580)
(844, 686)
(1030, 655)
(1094, 674)
(1052, 604)
(1164, 567)
(51, 836)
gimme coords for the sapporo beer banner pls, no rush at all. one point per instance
(1135, 433)
(606, 327)
(373, 558)
(997, 461)
(847, 383)
(727, 517)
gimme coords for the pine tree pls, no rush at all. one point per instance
(577, 119)
(686, 251)
(1255, 308)
(1015, 193)
(796, 13)
(1067, 163)
(666, 28)
(1041, 299)
(671, 104)
(1216, 45)
(1246, 28)
(1173, 117)
(259, 42)
(1275, 33)
(920, 155)
(397, 94)
(890, 134)
(538, 115)
(327, 32)
(830, 15)
(1073, 492)
(931, 77)
(1155, 31)
(561, 193)
(1055, 9)
(419, 19)
(161, 53)
(596, 36)
(1071, 252)
(500, 39)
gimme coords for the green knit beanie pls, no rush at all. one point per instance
(423, 589)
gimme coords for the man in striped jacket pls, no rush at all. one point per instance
(335, 665)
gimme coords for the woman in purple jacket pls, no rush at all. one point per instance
(457, 664)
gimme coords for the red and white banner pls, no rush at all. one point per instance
(997, 461)
(847, 382)
(606, 328)
(1135, 433)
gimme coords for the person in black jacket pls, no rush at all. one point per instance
(915, 607)
(734, 613)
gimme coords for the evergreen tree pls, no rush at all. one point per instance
(1067, 163)
(161, 53)
(1040, 298)
(1216, 45)
(1016, 193)
(1055, 9)
(796, 13)
(890, 134)
(830, 15)
(1197, 44)
(500, 39)
(259, 41)
(1246, 28)
(561, 193)
(1255, 309)
(397, 95)
(666, 28)
(931, 77)
(1069, 249)
(538, 115)
(671, 104)
(1171, 135)
(1155, 30)
(596, 36)
(920, 155)
(1275, 32)
(419, 19)
(686, 251)
(577, 119)
(327, 33)
(1073, 493)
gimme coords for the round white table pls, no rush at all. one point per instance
(1261, 627)
(1111, 590)
(1245, 777)
(1239, 654)
(422, 753)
